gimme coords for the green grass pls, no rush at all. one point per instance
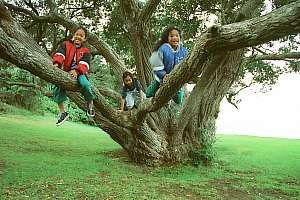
(41, 161)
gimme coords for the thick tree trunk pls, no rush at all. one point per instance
(138, 31)
(201, 127)
(162, 137)
(155, 141)
(141, 50)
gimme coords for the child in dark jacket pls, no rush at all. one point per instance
(131, 94)
(168, 53)
(74, 58)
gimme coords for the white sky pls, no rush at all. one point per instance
(272, 114)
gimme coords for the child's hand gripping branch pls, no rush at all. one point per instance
(165, 78)
(73, 73)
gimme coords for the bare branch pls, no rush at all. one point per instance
(260, 29)
(259, 50)
(231, 101)
(130, 9)
(26, 85)
(30, 5)
(80, 8)
(11, 83)
(231, 95)
(285, 56)
(148, 10)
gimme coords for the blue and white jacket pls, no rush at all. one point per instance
(165, 59)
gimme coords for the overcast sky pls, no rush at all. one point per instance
(272, 114)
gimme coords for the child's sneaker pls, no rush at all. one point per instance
(62, 118)
(90, 112)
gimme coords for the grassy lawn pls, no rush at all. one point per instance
(41, 161)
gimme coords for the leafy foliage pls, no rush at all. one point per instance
(24, 97)
(263, 72)
(294, 66)
(101, 74)
(31, 98)
(279, 3)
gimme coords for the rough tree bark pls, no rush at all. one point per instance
(154, 133)
(138, 29)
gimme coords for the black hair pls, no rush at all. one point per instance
(165, 35)
(80, 27)
(84, 30)
(125, 74)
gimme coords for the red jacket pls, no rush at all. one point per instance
(71, 57)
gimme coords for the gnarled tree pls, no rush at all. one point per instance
(155, 133)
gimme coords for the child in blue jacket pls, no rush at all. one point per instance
(168, 53)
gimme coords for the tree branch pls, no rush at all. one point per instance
(248, 10)
(202, 89)
(130, 9)
(52, 5)
(148, 10)
(230, 96)
(259, 50)
(20, 10)
(285, 56)
(104, 49)
(27, 85)
(30, 5)
(11, 83)
(104, 91)
(139, 33)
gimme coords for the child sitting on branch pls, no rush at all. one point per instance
(73, 57)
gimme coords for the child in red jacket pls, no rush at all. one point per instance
(74, 58)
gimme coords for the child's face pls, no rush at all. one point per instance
(174, 38)
(128, 81)
(79, 37)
